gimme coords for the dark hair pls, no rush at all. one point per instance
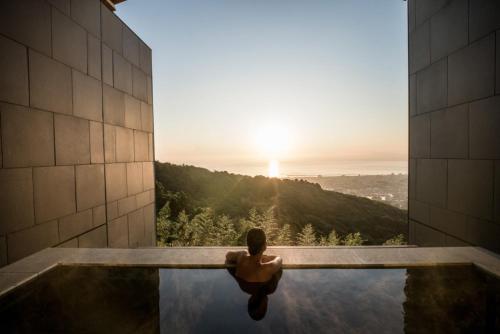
(256, 240)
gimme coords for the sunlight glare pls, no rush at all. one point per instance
(274, 168)
(273, 140)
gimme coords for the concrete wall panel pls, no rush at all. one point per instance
(87, 97)
(14, 69)
(485, 129)
(75, 224)
(116, 181)
(29, 241)
(69, 41)
(432, 87)
(96, 238)
(72, 140)
(450, 132)
(88, 14)
(16, 199)
(89, 186)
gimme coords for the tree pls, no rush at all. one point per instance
(353, 239)
(307, 237)
(284, 236)
(394, 241)
(334, 239)
(269, 226)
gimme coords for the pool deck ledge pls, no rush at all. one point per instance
(30, 267)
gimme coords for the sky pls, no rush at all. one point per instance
(263, 82)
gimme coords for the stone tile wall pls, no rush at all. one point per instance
(454, 102)
(76, 129)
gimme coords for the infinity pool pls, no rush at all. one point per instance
(80, 299)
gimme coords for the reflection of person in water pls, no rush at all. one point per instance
(257, 274)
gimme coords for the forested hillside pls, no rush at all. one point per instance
(191, 198)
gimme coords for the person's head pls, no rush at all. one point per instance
(256, 241)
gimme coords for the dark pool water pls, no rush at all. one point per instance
(151, 300)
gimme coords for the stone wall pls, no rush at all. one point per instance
(454, 106)
(76, 129)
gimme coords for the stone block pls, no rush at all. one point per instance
(72, 140)
(136, 228)
(151, 154)
(149, 89)
(142, 199)
(122, 73)
(94, 239)
(96, 143)
(432, 87)
(130, 46)
(69, 41)
(139, 84)
(118, 233)
(113, 106)
(27, 21)
(32, 240)
(420, 136)
(454, 242)
(449, 222)
(116, 181)
(72, 243)
(126, 205)
(484, 18)
(111, 29)
(132, 112)
(141, 146)
(419, 211)
(485, 129)
(94, 56)
(134, 178)
(431, 181)
(27, 137)
(16, 199)
(124, 144)
(411, 15)
(449, 30)
(471, 72)
(148, 179)
(50, 84)
(412, 86)
(145, 60)
(483, 233)
(470, 189)
(107, 65)
(62, 5)
(99, 215)
(411, 232)
(87, 13)
(497, 191)
(109, 143)
(426, 8)
(412, 178)
(112, 211)
(89, 186)
(87, 97)
(54, 190)
(149, 225)
(420, 48)
(14, 69)
(147, 117)
(450, 132)
(497, 64)
(428, 237)
(3, 251)
(75, 224)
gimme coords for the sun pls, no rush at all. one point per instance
(273, 141)
(274, 168)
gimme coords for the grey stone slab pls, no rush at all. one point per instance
(151, 153)
(149, 225)
(411, 15)
(38, 263)
(87, 13)
(449, 222)
(50, 84)
(432, 181)
(450, 132)
(124, 144)
(148, 175)
(16, 199)
(107, 65)
(62, 5)
(94, 57)
(27, 137)
(89, 186)
(130, 46)
(122, 73)
(87, 97)
(126, 205)
(432, 92)
(147, 117)
(485, 129)
(31, 240)
(454, 242)
(149, 88)
(132, 112)
(145, 58)
(483, 233)
(75, 224)
(134, 178)
(96, 143)
(419, 212)
(109, 143)
(139, 84)
(142, 199)
(111, 29)
(28, 22)
(470, 189)
(136, 228)
(3, 251)
(113, 106)
(484, 18)
(449, 29)
(471, 72)
(497, 191)
(412, 85)
(412, 178)
(9, 281)
(54, 190)
(69, 41)
(99, 215)
(72, 243)
(141, 146)
(420, 48)
(111, 211)
(118, 233)
(428, 237)
(14, 69)
(420, 136)
(72, 140)
(96, 238)
(411, 232)
(426, 8)
(116, 181)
